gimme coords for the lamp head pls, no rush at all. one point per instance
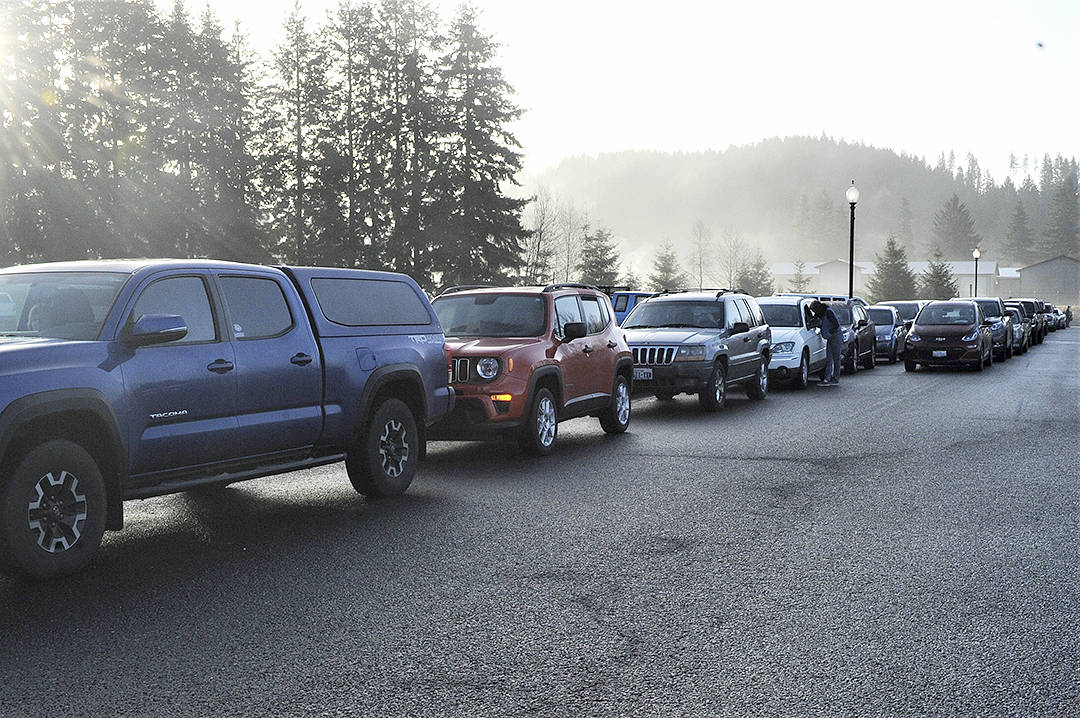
(852, 193)
(976, 253)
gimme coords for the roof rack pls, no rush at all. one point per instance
(569, 285)
(465, 288)
(610, 289)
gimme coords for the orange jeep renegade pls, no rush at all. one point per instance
(522, 359)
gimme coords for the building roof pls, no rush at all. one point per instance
(1052, 259)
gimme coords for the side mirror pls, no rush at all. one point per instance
(862, 322)
(155, 329)
(573, 330)
(740, 327)
(988, 322)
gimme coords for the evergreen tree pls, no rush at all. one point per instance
(904, 233)
(801, 281)
(666, 272)
(754, 277)
(892, 278)
(1019, 240)
(954, 229)
(479, 236)
(1062, 232)
(937, 282)
(598, 262)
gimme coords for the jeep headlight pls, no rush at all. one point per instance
(784, 347)
(690, 352)
(487, 368)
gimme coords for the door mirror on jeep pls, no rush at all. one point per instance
(740, 327)
(155, 329)
(573, 330)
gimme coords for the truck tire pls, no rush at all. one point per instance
(616, 418)
(384, 459)
(712, 395)
(52, 511)
(541, 426)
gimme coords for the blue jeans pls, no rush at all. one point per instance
(834, 348)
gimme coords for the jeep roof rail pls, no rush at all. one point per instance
(569, 285)
(465, 288)
(610, 289)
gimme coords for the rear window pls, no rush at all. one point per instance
(620, 302)
(881, 316)
(369, 302)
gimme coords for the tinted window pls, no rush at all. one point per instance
(369, 302)
(675, 313)
(60, 305)
(257, 307)
(566, 311)
(737, 313)
(620, 302)
(843, 313)
(594, 315)
(781, 315)
(907, 310)
(744, 306)
(881, 316)
(491, 315)
(755, 311)
(184, 296)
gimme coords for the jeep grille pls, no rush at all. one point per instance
(461, 370)
(654, 355)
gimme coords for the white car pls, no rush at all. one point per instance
(798, 350)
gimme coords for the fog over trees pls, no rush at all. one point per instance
(380, 136)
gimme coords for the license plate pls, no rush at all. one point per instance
(939, 353)
(642, 374)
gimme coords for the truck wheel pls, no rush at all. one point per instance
(541, 424)
(759, 387)
(616, 418)
(52, 511)
(385, 458)
(713, 394)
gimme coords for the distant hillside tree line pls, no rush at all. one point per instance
(378, 138)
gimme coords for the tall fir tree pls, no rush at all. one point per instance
(937, 282)
(666, 272)
(478, 235)
(598, 263)
(1062, 232)
(892, 278)
(1019, 239)
(800, 281)
(954, 229)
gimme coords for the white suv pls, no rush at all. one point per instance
(798, 349)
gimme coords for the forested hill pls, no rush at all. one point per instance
(787, 196)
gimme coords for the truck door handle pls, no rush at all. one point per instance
(301, 359)
(611, 344)
(220, 366)
(587, 349)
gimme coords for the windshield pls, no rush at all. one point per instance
(492, 315)
(935, 314)
(990, 307)
(675, 313)
(881, 316)
(907, 310)
(781, 315)
(57, 305)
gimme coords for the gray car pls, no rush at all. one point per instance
(699, 343)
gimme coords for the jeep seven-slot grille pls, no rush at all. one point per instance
(461, 370)
(654, 356)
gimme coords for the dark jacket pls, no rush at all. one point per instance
(830, 324)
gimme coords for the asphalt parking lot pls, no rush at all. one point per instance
(900, 545)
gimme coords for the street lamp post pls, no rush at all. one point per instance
(852, 198)
(976, 254)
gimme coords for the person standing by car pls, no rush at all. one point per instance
(833, 334)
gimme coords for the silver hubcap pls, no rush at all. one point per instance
(393, 448)
(545, 421)
(622, 403)
(718, 387)
(57, 513)
(763, 378)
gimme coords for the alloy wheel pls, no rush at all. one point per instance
(393, 448)
(57, 512)
(545, 421)
(622, 403)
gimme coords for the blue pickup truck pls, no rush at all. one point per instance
(129, 379)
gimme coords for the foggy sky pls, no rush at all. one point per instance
(920, 77)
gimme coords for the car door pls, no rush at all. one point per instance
(815, 344)
(183, 393)
(571, 357)
(278, 368)
(740, 347)
(601, 349)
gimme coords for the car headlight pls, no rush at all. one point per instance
(998, 324)
(690, 352)
(487, 368)
(970, 337)
(784, 347)
(914, 338)
(847, 335)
